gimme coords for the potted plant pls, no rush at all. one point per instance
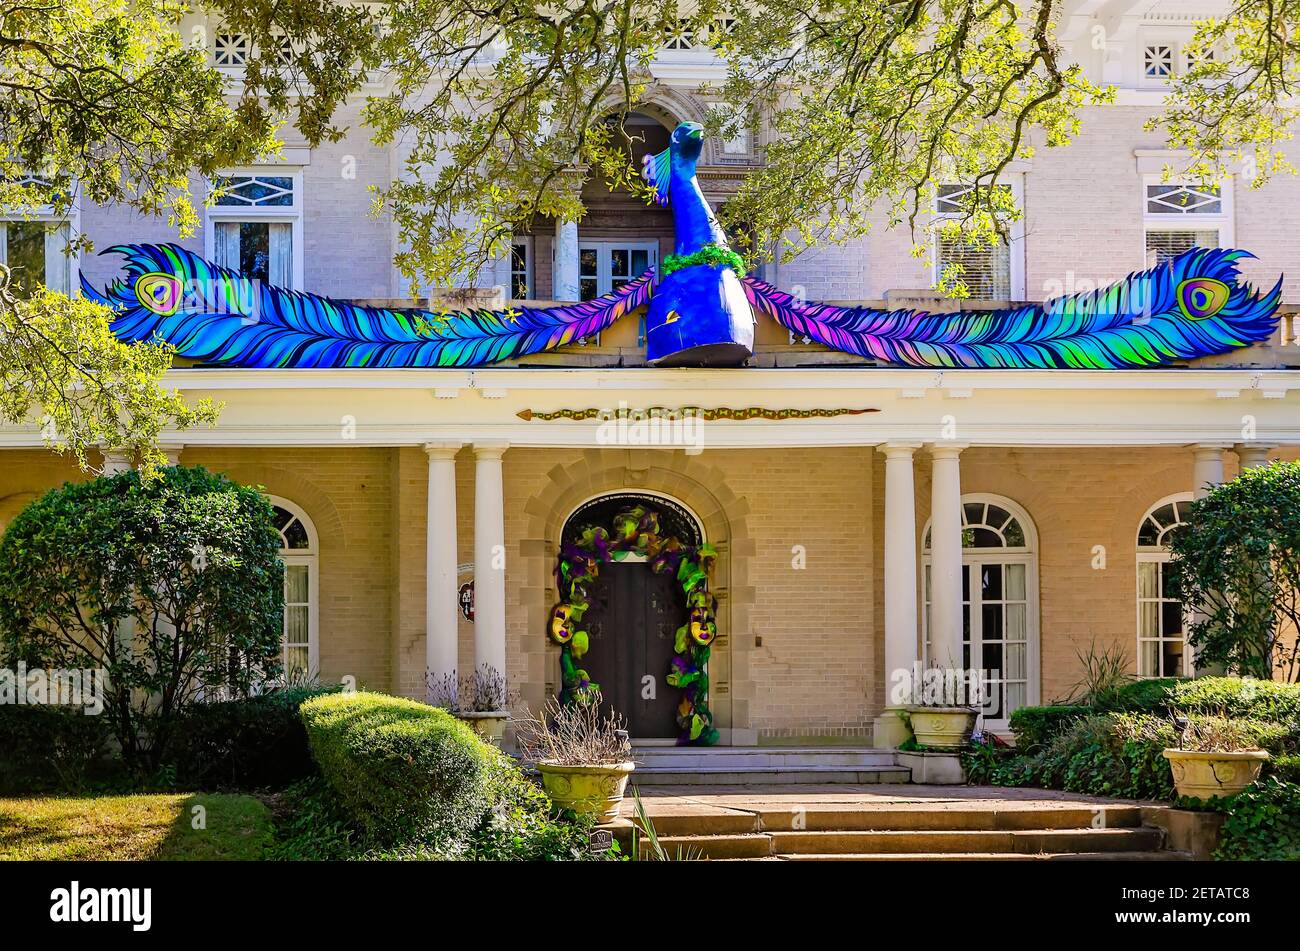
(1213, 758)
(939, 716)
(483, 700)
(584, 756)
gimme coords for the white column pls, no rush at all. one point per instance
(1207, 468)
(565, 268)
(900, 589)
(441, 610)
(489, 558)
(1207, 472)
(945, 558)
(1252, 457)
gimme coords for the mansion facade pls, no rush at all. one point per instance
(423, 510)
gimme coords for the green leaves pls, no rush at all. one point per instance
(1237, 562)
(104, 574)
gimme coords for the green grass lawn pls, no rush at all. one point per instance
(158, 827)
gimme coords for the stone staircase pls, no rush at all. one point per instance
(750, 766)
(940, 830)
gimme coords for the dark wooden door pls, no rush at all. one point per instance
(632, 623)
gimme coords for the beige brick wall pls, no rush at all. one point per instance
(800, 655)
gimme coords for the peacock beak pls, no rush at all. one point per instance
(697, 133)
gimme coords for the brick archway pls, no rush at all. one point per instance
(703, 489)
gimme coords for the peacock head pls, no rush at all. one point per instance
(687, 141)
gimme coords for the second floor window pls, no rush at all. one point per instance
(34, 246)
(986, 270)
(1178, 216)
(255, 226)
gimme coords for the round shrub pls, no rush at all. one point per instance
(405, 770)
(189, 560)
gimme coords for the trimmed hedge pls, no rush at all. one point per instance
(406, 771)
(1140, 696)
(50, 748)
(251, 743)
(1237, 697)
(1035, 726)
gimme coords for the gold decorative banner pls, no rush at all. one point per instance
(692, 412)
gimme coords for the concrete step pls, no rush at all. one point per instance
(737, 758)
(1031, 841)
(766, 775)
(988, 857)
(943, 817)
(753, 845)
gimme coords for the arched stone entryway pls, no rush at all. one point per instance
(702, 488)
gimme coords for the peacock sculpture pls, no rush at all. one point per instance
(700, 313)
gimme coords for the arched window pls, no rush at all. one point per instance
(299, 552)
(999, 602)
(1161, 631)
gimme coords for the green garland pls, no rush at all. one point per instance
(711, 254)
(635, 531)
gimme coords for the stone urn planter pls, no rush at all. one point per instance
(489, 724)
(587, 790)
(1209, 774)
(942, 727)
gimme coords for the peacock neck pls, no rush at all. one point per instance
(693, 222)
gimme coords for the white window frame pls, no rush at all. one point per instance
(290, 214)
(47, 216)
(525, 242)
(973, 559)
(602, 246)
(1158, 557)
(310, 557)
(1173, 221)
(1015, 247)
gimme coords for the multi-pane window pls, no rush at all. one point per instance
(984, 269)
(255, 223)
(520, 270)
(1179, 216)
(1161, 628)
(605, 266)
(34, 246)
(999, 606)
(298, 553)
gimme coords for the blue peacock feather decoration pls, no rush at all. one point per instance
(1191, 307)
(217, 316)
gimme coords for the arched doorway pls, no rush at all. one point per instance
(634, 614)
(999, 602)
